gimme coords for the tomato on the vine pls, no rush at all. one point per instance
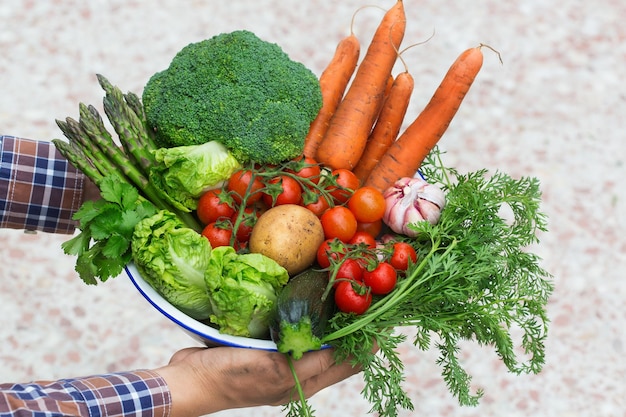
(347, 182)
(291, 192)
(218, 234)
(367, 204)
(245, 183)
(330, 249)
(248, 219)
(381, 279)
(401, 255)
(352, 297)
(373, 228)
(319, 206)
(212, 207)
(363, 237)
(308, 169)
(338, 222)
(349, 269)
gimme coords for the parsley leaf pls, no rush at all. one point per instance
(106, 228)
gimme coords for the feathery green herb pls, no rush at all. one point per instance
(475, 279)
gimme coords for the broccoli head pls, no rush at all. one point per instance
(236, 89)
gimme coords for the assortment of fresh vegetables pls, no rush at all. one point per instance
(270, 204)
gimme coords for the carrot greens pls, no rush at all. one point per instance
(475, 279)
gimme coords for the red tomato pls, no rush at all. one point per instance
(373, 228)
(381, 279)
(352, 297)
(291, 192)
(318, 207)
(347, 183)
(363, 237)
(402, 253)
(367, 204)
(211, 207)
(329, 249)
(338, 222)
(246, 225)
(245, 182)
(350, 269)
(308, 168)
(218, 234)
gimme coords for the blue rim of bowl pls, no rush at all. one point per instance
(192, 326)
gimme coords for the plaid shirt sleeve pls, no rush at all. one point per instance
(139, 393)
(39, 188)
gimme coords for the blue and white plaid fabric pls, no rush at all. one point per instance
(39, 188)
(139, 393)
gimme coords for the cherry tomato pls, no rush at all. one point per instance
(246, 225)
(308, 168)
(211, 207)
(347, 183)
(373, 228)
(402, 253)
(350, 269)
(329, 249)
(338, 222)
(218, 234)
(244, 182)
(318, 207)
(352, 297)
(291, 192)
(363, 237)
(367, 204)
(381, 279)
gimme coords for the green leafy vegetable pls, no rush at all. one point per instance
(173, 258)
(185, 172)
(236, 89)
(243, 290)
(103, 245)
(476, 279)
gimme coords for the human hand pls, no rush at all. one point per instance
(204, 381)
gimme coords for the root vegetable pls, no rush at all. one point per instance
(290, 235)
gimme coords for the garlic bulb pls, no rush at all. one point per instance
(411, 200)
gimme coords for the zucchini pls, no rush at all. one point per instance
(300, 315)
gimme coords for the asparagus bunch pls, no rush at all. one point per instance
(92, 149)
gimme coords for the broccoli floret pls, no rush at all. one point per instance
(236, 89)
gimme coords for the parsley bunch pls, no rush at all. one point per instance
(475, 279)
(103, 245)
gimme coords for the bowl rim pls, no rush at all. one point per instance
(208, 334)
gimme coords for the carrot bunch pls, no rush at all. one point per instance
(364, 107)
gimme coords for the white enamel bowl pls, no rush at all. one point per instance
(199, 331)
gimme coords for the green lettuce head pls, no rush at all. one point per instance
(243, 289)
(172, 259)
(185, 172)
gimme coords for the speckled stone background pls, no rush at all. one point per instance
(555, 109)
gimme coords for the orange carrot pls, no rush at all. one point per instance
(349, 128)
(388, 86)
(387, 126)
(333, 83)
(406, 154)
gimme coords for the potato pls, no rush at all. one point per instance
(290, 235)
